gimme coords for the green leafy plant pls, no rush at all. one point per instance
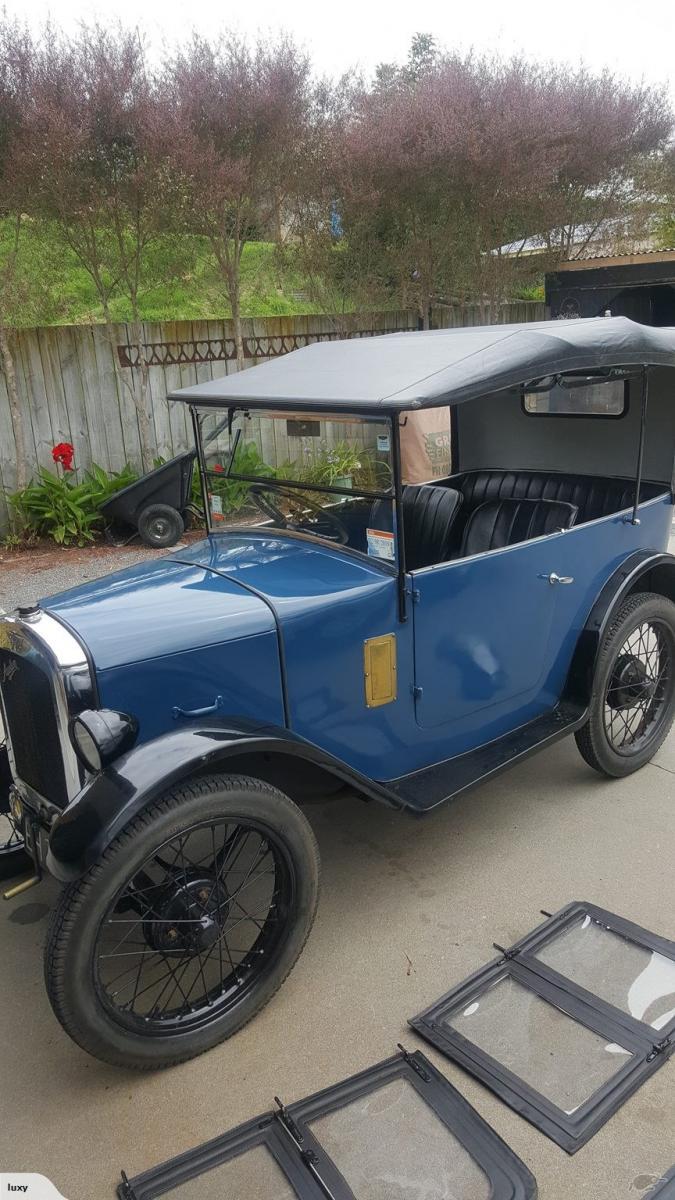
(342, 462)
(63, 509)
(234, 493)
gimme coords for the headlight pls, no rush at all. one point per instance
(100, 735)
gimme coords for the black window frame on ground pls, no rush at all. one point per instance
(264, 1132)
(525, 949)
(311, 1173)
(649, 1048)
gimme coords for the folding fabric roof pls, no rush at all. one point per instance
(445, 366)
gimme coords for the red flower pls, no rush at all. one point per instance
(218, 469)
(63, 454)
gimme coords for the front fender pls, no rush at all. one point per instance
(645, 570)
(80, 835)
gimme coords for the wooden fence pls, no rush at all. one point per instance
(71, 379)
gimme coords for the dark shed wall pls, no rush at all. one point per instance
(494, 432)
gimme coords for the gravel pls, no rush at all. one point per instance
(27, 578)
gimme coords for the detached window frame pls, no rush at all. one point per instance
(507, 1176)
(587, 380)
(263, 1132)
(310, 1171)
(527, 947)
(649, 1048)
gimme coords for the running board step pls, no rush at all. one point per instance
(425, 789)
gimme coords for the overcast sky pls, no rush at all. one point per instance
(635, 39)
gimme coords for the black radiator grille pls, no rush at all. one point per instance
(32, 729)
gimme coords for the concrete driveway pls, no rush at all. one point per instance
(408, 908)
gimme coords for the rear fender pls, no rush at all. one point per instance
(111, 799)
(644, 571)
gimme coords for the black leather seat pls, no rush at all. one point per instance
(499, 523)
(429, 514)
(594, 497)
(428, 517)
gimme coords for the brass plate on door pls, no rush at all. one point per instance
(379, 669)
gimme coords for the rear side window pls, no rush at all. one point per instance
(578, 398)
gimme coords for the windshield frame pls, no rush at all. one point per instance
(393, 493)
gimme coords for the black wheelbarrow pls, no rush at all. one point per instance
(157, 506)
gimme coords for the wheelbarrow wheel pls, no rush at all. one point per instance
(160, 525)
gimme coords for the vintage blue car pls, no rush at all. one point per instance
(335, 627)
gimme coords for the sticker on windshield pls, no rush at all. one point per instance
(380, 543)
(383, 441)
(216, 504)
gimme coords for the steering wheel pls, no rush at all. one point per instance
(321, 521)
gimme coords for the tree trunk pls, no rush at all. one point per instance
(235, 305)
(140, 393)
(15, 410)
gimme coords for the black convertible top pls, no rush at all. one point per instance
(445, 366)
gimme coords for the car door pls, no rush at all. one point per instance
(485, 635)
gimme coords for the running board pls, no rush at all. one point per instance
(425, 789)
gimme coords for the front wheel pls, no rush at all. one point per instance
(633, 701)
(187, 926)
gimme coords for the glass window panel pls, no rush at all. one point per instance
(389, 1145)
(603, 399)
(308, 448)
(555, 1055)
(633, 978)
(253, 1175)
(278, 451)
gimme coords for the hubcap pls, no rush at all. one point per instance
(196, 928)
(159, 527)
(637, 697)
(187, 919)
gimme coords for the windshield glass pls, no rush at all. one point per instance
(301, 473)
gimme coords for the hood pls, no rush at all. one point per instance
(295, 575)
(158, 608)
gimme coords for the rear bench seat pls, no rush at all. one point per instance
(593, 496)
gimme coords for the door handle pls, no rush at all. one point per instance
(553, 578)
(198, 712)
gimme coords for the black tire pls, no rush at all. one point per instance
(633, 700)
(85, 1005)
(160, 525)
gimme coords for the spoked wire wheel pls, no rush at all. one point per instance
(633, 699)
(195, 927)
(187, 924)
(638, 687)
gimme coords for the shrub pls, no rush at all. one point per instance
(63, 509)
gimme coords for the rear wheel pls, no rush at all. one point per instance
(633, 701)
(187, 926)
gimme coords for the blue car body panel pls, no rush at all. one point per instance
(163, 635)
(494, 640)
(275, 625)
(158, 608)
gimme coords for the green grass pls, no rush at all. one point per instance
(55, 289)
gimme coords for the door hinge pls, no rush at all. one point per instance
(412, 1062)
(309, 1158)
(507, 954)
(659, 1048)
(415, 595)
(417, 692)
(125, 1189)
